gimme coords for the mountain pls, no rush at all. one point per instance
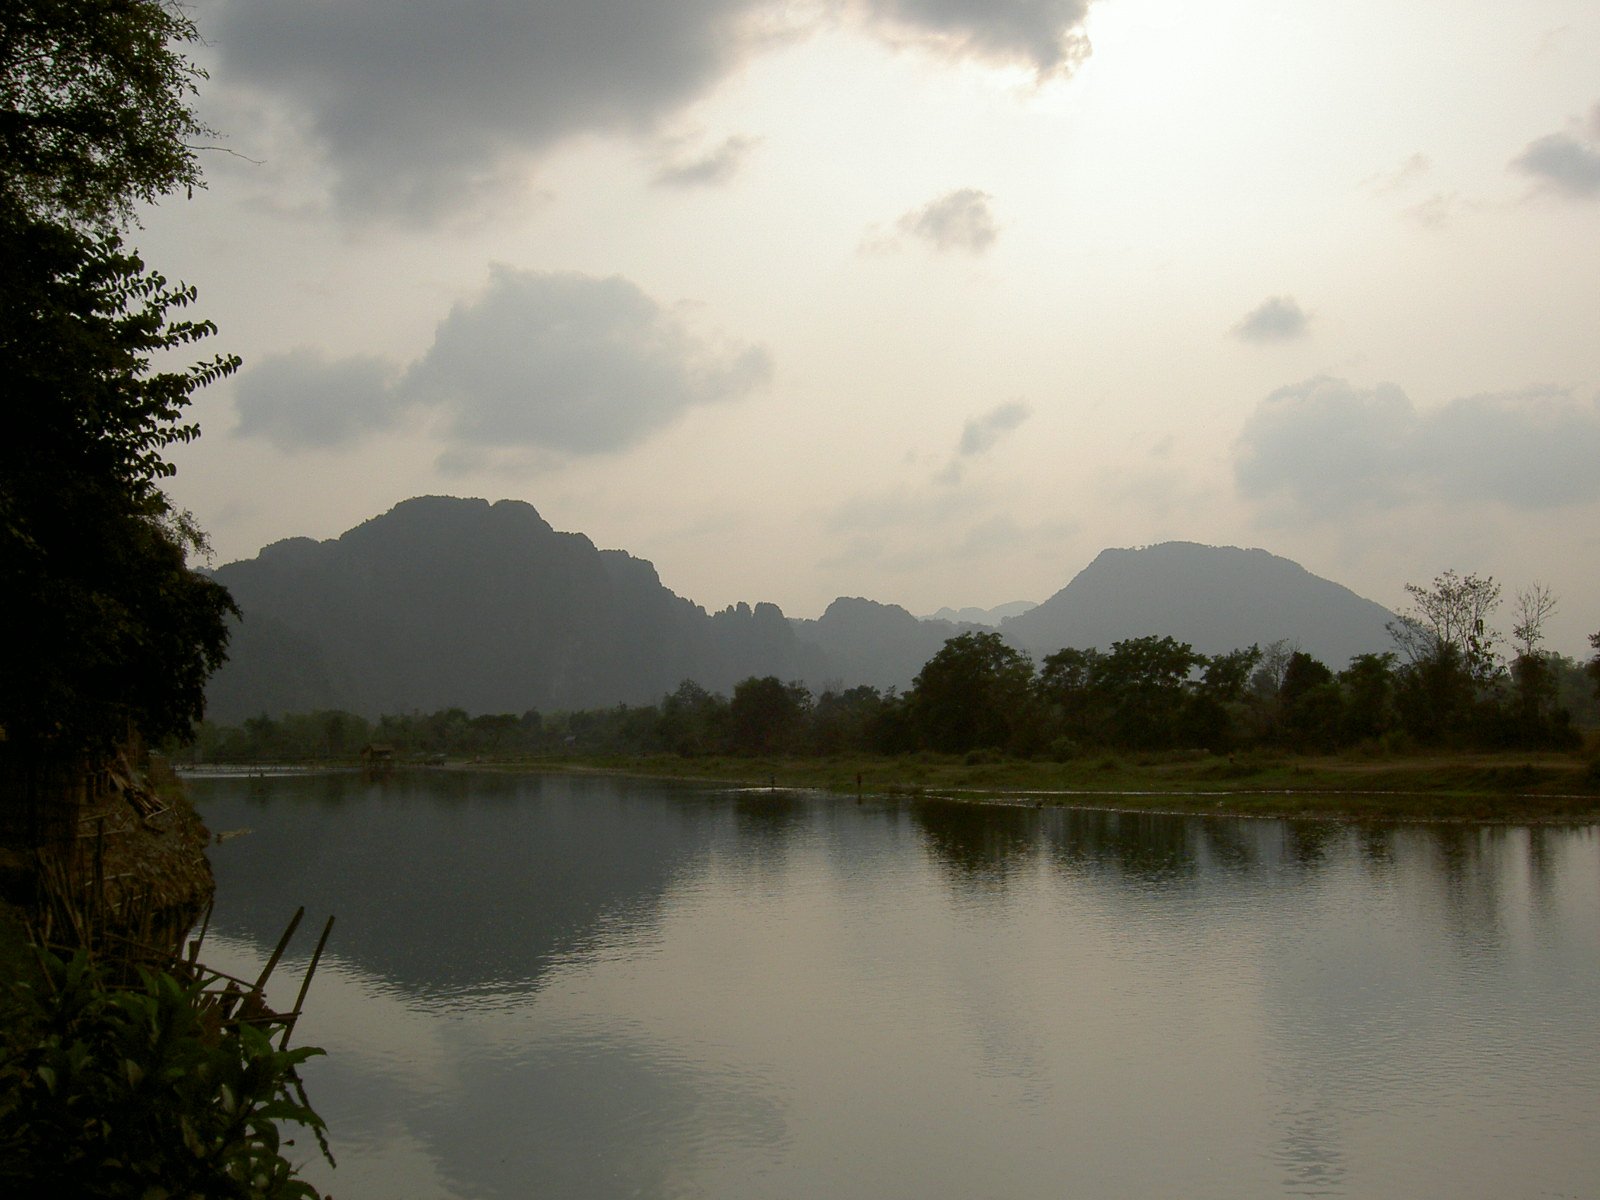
(865, 642)
(444, 603)
(1217, 598)
(991, 617)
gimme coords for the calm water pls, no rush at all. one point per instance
(559, 987)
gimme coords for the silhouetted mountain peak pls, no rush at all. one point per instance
(1217, 598)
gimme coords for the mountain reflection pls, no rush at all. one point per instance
(444, 883)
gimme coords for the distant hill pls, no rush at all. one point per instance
(459, 603)
(442, 603)
(991, 617)
(1217, 598)
(865, 642)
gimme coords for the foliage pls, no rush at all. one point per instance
(1594, 663)
(1143, 684)
(92, 554)
(1448, 622)
(116, 631)
(766, 716)
(95, 112)
(141, 1091)
(975, 693)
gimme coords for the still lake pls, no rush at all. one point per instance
(560, 986)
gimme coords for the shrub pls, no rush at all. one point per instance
(156, 1089)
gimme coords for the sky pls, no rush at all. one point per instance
(927, 301)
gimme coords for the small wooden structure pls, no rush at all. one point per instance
(377, 759)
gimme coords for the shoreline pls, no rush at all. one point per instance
(1559, 789)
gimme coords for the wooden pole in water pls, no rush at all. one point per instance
(305, 985)
(283, 943)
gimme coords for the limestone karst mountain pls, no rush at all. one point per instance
(445, 602)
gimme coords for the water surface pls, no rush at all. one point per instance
(560, 986)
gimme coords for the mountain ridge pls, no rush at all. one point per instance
(447, 602)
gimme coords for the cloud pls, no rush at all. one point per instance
(1275, 319)
(981, 433)
(1401, 177)
(1437, 211)
(716, 167)
(960, 220)
(1568, 163)
(571, 363)
(303, 399)
(537, 364)
(418, 108)
(418, 104)
(1324, 448)
(1045, 34)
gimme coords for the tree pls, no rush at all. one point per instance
(1535, 605)
(973, 694)
(108, 625)
(1218, 703)
(692, 720)
(766, 715)
(95, 112)
(1144, 683)
(1594, 663)
(1368, 684)
(1449, 618)
(109, 630)
(1066, 686)
(1313, 707)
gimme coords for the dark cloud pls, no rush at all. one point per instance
(716, 167)
(417, 104)
(538, 363)
(1568, 163)
(1046, 34)
(961, 220)
(572, 363)
(304, 399)
(420, 107)
(1275, 319)
(1325, 448)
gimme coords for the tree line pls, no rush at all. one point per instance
(1445, 685)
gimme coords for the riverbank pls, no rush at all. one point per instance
(1469, 787)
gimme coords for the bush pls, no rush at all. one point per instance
(153, 1090)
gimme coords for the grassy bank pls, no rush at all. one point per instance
(1554, 787)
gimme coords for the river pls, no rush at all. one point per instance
(577, 987)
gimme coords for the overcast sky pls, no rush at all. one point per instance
(923, 300)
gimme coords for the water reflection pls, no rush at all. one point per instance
(600, 988)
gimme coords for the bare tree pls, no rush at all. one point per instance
(1451, 616)
(1535, 604)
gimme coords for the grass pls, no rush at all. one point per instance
(1480, 787)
